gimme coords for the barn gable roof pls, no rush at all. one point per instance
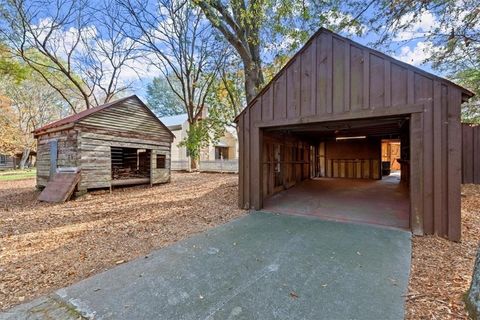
(466, 94)
(75, 118)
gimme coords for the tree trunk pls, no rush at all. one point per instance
(25, 156)
(193, 164)
(253, 79)
(473, 296)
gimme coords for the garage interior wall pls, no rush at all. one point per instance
(331, 79)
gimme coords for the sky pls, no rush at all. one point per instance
(414, 52)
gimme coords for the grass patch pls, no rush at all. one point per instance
(17, 174)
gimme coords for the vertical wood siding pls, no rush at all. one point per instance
(470, 153)
(333, 76)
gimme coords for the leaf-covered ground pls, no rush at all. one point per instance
(44, 247)
(48, 246)
(442, 270)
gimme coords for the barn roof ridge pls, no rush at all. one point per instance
(74, 118)
(374, 51)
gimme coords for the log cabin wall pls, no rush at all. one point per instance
(332, 78)
(95, 155)
(67, 147)
(88, 142)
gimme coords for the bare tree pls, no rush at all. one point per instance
(71, 45)
(180, 42)
(34, 104)
(109, 53)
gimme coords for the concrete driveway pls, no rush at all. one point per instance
(262, 266)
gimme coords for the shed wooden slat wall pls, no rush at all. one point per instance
(333, 78)
(129, 116)
(470, 153)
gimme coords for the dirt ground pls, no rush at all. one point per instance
(442, 270)
(44, 247)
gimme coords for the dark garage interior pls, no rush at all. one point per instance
(334, 170)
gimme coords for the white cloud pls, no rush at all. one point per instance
(416, 55)
(424, 23)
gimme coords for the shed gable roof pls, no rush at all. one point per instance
(290, 64)
(75, 118)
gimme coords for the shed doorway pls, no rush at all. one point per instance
(130, 166)
(354, 171)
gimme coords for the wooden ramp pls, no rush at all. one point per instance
(61, 186)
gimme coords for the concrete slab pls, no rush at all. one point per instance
(383, 202)
(262, 266)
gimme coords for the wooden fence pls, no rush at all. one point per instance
(470, 153)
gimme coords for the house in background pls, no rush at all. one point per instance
(7, 162)
(221, 156)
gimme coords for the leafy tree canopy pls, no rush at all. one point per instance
(162, 100)
(11, 67)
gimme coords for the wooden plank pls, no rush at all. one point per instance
(129, 182)
(280, 97)
(416, 173)
(241, 162)
(338, 97)
(324, 74)
(377, 82)
(444, 105)
(361, 114)
(356, 78)
(476, 155)
(454, 163)
(60, 188)
(307, 90)
(467, 154)
(112, 140)
(347, 77)
(246, 157)
(366, 79)
(114, 135)
(410, 86)
(438, 209)
(388, 84)
(423, 94)
(293, 89)
(255, 158)
(267, 105)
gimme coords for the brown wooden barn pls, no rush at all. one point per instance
(310, 142)
(116, 144)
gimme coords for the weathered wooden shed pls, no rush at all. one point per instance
(325, 114)
(115, 144)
